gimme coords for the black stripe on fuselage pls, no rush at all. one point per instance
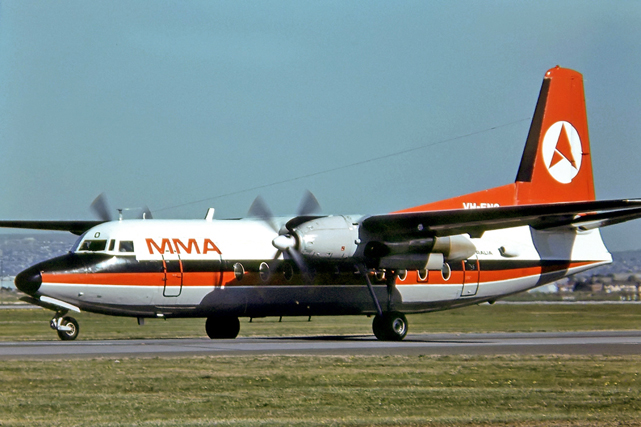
(500, 264)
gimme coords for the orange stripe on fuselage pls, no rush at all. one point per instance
(131, 279)
(252, 279)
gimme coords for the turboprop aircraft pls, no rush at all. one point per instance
(457, 252)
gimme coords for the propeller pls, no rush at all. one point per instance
(285, 242)
(100, 208)
(260, 210)
(309, 205)
(145, 213)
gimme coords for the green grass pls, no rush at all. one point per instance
(315, 391)
(327, 390)
(572, 296)
(34, 324)
(10, 297)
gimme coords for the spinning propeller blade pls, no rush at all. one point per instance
(260, 210)
(309, 205)
(100, 208)
(146, 213)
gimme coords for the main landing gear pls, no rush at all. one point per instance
(390, 326)
(66, 326)
(222, 327)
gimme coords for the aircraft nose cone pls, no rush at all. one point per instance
(29, 280)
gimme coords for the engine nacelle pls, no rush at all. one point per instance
(455, 248)
(429, 253)
(331, 237)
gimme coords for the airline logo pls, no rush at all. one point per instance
(562, 152)
(178, 246)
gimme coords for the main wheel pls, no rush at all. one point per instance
(72, 333)
(390, 326)
(222, 327)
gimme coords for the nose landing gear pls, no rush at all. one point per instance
(66, 326)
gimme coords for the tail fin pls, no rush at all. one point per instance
(556, 164)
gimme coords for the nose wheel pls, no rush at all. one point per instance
(66, 326)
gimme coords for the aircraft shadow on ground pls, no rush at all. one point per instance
(371, 338)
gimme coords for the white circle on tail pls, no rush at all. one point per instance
(562, 151)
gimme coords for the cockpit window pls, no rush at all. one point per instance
(93, 245)
(126, 246)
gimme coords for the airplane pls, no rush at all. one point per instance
(466, 250)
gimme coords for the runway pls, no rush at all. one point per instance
(570, 343)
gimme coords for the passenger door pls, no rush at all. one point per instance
(173, 275)
(471, 272)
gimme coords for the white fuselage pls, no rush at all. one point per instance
(180, 268)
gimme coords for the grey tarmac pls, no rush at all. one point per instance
(540, 343)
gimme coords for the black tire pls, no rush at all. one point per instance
(69, 335)
(390, 326)
(222, 327)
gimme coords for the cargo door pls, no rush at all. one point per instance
(471, 275)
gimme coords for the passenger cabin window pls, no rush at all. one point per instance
(93, 245)
(126, 246)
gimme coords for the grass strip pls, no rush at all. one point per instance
(329, 390)
(33, 324)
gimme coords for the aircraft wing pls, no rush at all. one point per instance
(577, 215)
(75, 227)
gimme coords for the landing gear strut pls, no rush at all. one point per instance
(222, 327)
(389, 325)
(66, 326)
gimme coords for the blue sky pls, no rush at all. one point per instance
(186, 105)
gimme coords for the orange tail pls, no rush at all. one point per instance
(556, 164)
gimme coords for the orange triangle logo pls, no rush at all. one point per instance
(556, 158)
(563, 150)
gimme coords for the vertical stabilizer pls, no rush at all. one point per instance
(556, 164)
